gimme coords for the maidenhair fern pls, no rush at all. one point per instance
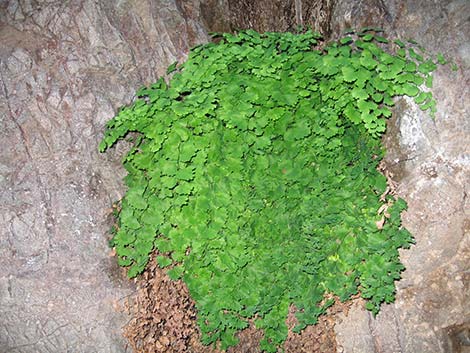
(255, 176)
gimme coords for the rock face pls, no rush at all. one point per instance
(431, 162)
(65, 69)
(266, 15)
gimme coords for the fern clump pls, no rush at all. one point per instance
(254, 175)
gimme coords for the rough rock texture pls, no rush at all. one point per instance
(266, 15)
(431, 162)
(65, 68)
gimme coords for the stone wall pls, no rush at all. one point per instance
(431, 162)
(65, 69)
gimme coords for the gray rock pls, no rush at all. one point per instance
(65, 69)
(431, 161)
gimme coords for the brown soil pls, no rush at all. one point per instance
(164, 320)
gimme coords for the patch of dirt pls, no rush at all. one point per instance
(319, 338)
(164, 321)
(163, 316)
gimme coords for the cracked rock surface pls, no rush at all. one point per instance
(430, 159)
(65, 68)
